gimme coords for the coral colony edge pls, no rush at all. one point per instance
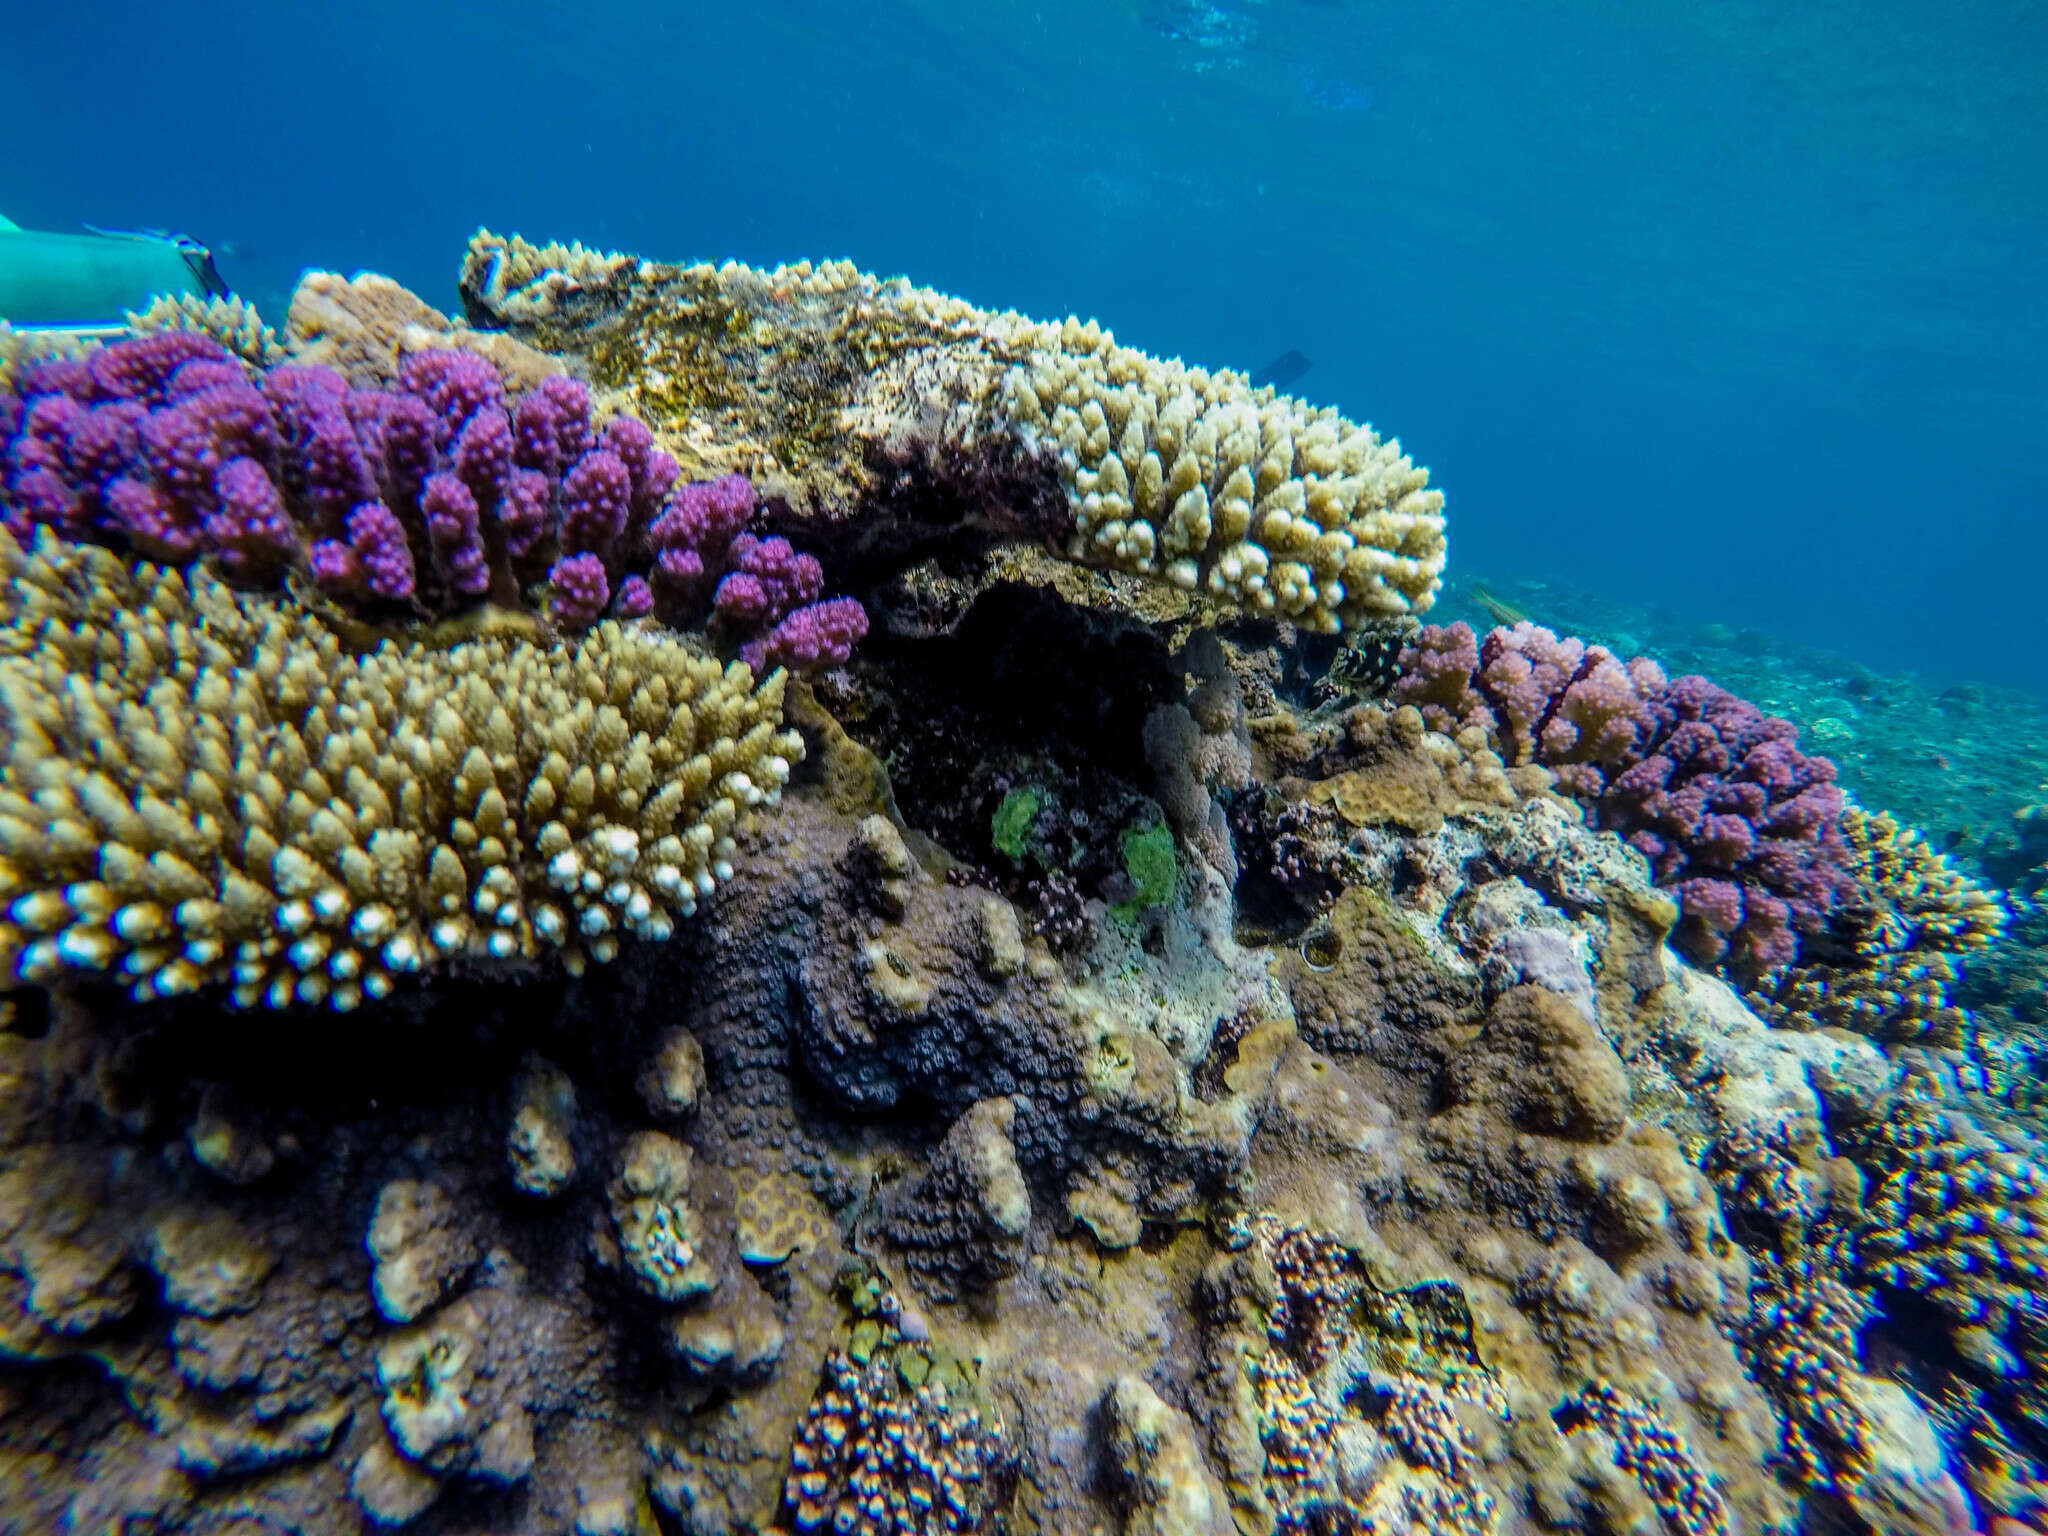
(709, 900)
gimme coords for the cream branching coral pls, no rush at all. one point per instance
(529, 281)
(231, 321)
(202, 786)
(1249, 496)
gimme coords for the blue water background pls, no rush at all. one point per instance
(1738, 307)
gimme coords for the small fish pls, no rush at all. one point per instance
(1494, 608)
(1282, 370)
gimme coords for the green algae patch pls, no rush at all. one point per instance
(1010, 826)
(1150, 863)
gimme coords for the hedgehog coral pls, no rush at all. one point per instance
(1888, 963)
(428, 496)
(1736, 820)
(1653, 1453)
(201, 786)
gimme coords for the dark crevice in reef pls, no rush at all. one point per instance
(1025, 691)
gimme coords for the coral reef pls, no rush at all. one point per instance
(1956, 760)
(201, 786)
(878, 1454)
(230, 321)
(963, 1225)
(367, 326)
(1127, 1083)
(1887, 964)
(1645, 1446)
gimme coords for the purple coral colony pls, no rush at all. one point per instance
(424, 498)
(1735, 820)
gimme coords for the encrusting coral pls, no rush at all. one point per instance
(202, 786)
(853, 391)
(963, 1226)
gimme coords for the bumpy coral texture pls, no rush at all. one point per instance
(200, 786)
(1735, 820)
(1646, 1447)
(962, 1227)
(430, 496)
(874, 1454)
(231, 321)
(1959, 1213)
(1336, 1348)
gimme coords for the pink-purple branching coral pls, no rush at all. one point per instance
(419, 499)
(1736, 822)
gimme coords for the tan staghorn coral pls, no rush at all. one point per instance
(202, 786)
(1958, 1212)
(1945, 908)
(1800, 1340)
(859, 401)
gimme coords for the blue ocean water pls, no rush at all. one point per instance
(1733, 307)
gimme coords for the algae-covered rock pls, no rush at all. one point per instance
(663, 1241)
(1169, 1487)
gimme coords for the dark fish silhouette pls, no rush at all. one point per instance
(1282, 371)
